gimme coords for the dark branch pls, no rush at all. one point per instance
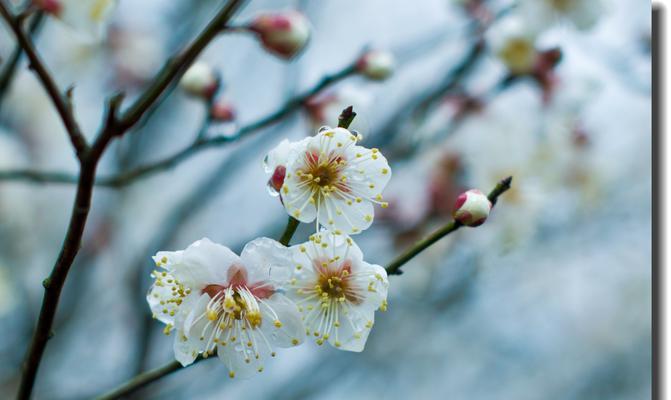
(11, 65)
(37, 65)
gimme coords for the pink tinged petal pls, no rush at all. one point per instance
(237, 276)
(204, 263)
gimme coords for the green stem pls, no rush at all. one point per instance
(394, 267)
(289, 231)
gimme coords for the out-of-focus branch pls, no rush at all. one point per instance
(176, 67)
(8, 72)
(60, 100)
(394, 267)
(125, 178)
(89, 156)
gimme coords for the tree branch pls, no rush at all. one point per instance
(175, 68)
(8, 72)
(128, 177)
(89, 158)
(60, 102)
(394, 267)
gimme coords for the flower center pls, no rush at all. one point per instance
(237, 303)
(322, 172)
(336, 284)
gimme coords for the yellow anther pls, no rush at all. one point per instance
(231, 374)
(294, 342)
(277, 323)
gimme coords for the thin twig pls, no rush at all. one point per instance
(394, 267)
(60, 101)
(8, 72)
(128, 177)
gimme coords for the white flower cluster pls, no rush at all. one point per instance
(272, 296)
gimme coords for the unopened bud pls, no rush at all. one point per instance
(277, 179)
(53, 7)
(200, 80)
(284, 34)
(222, 111)
(376, 64)
(472, 208)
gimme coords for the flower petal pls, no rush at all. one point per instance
(266, 260)
(282, 324)
(204, 263)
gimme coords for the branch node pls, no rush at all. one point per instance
(46, 283)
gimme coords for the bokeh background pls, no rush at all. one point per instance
(551, 298)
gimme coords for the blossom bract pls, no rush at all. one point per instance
(215, 300)
(336, 291)
(331, 179)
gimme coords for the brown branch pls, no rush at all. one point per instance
(89, 158)
(61, 103)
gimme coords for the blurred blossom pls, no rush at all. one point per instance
(137, 55)
(200, 80)
(325, 108)
(377, 65)
(88, 17)
(541, 14)
(284, 34)
(514, 44)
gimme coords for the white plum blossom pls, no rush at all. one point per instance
(336, 291)
(333, 181)
(215, 300)
(87, 17)
(541, 14)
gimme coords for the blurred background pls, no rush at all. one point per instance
(551, 298)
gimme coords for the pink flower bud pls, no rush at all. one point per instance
(376, 64)
(472, 208)
(222, 111)
(283, 34)
(277, 179)
(200, 80)
(53, 7)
